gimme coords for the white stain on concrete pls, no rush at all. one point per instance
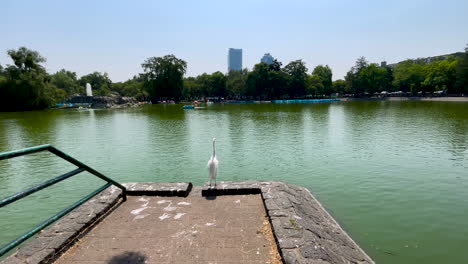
(209, 224)
(183, 203)
(138, 211)
(170, 208)
(238, 201)
(164, 216)
(140, 216)
(179, 215)
(164, 201)
(145, 200)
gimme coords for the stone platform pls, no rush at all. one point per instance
(173, 223)
(156, 229)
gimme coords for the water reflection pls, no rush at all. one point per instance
(382, 168)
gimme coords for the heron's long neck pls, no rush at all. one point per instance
(214, 149)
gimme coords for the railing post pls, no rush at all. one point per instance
(88, 169)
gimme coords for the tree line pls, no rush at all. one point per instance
(26, 85)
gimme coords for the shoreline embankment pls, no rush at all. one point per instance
(439, 99)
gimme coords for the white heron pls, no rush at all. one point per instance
(213, 164)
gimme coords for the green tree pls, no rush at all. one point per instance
(27, 60)
(350, 81)
(275, 65)
(374, 79)
(324, 74)
(26, 84)
(204, 82)
(353, 77)
(461, 85)
(164, 77)
(277, 83)
(192, 88)
(315, 85)
(133, 88)
(235, 83)
(218, 84)
(67, 81)
(297, 75)
(100, 82)
(339, 86)
(440, 75)
(258, 81)
(409, 75)
(2, 75)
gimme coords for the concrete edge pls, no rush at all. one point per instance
(304, 230)
(53, 240)
(180, 189)
(336, 223)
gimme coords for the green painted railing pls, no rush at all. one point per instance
(81, 167)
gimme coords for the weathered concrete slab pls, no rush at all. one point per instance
(154, 229)
(181, 189)
(54, 239)
(305, 231)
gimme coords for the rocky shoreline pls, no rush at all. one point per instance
(112, 101)
(403, 98)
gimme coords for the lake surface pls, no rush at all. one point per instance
(393, 174)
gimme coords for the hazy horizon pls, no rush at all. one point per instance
(116, 37)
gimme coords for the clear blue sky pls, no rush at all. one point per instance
(116, 36)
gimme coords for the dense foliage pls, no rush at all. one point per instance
(133, 87)
(26, 84)
(100, 82)
(163, 77)
(461, 82)
(67, 81)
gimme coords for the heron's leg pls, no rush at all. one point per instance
(215, 182)
(210, 182)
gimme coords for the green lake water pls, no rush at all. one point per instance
(393, 174)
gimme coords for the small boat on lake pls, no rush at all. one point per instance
(189, 107)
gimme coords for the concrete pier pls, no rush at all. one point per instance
(238, 222)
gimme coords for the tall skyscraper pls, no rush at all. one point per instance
(267, 58)
(235, 60)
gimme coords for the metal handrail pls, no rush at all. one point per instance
(81, 167)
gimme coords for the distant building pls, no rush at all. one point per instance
(235, 60)
(267, 58)
(383, 64)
